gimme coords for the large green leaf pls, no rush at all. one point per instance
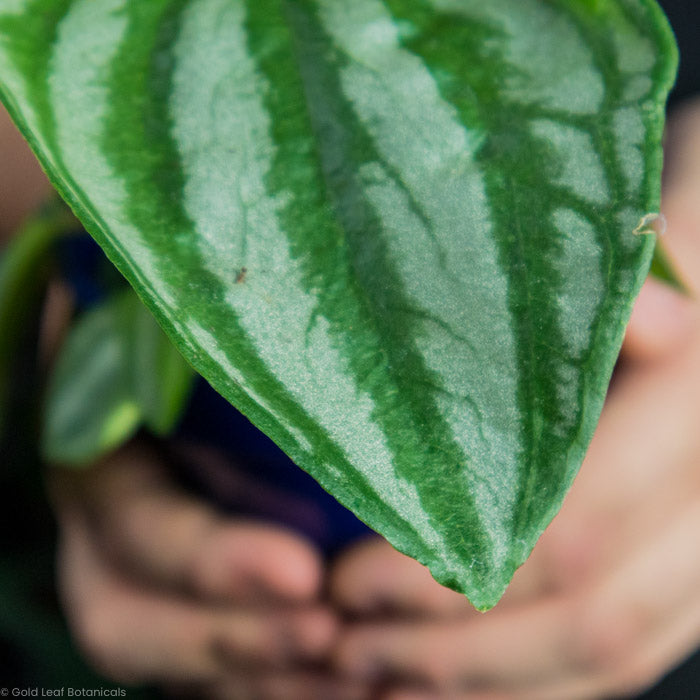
(397, 234)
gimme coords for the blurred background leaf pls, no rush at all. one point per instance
(115, 372)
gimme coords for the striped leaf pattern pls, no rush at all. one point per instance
(396, 234)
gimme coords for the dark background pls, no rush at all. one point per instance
(35, 649)
(684, 16)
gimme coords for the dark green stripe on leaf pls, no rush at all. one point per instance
(321, 147)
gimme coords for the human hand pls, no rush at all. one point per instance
(610, 598)
(159, 588)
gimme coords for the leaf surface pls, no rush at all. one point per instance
(396, 234)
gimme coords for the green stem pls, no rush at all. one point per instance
(664, 269)
(25, 266)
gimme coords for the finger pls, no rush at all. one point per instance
(634, 678)
(174, 539)
(306, 685)
(373, 577)
(599, 635)
(663, 320)
(448, 654)
(135, 634)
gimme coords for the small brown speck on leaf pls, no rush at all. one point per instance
(240, 276)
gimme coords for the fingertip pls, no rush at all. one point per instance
(291, 565)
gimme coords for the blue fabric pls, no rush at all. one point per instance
(86, 269)
(262, 481)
